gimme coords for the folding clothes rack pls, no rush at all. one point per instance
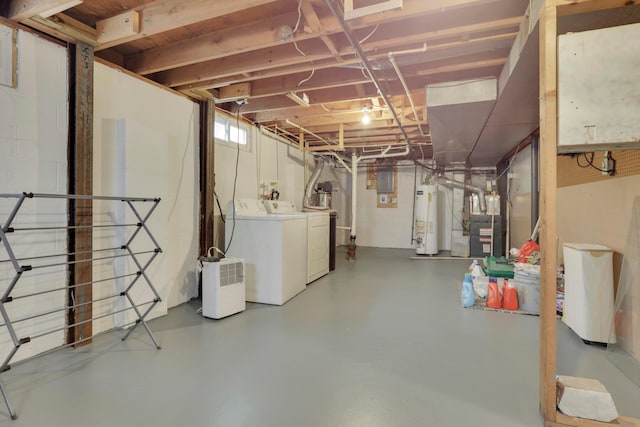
(42, 262)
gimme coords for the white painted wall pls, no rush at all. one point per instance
(145, 145)
(33, 158)
(384, 227)
(265, 158)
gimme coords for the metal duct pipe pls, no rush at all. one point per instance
(457, 184)
(306, 201)
(392, 59)
(367, 65)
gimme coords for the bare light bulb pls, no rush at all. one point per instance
(366, 119)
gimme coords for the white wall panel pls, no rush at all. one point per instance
(33, 158)
(145, 141)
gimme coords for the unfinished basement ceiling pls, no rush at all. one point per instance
(263, 50)
(273, 53)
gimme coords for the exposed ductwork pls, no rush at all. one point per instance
(457, 184)
(306, 201)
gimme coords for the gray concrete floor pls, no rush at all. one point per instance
(382, 341)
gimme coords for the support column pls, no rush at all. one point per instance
(80, 182)
(351, 249)
(548, 209)
(207, 176)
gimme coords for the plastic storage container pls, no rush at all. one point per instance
(528, 297)
(588, 291)
(498, 267)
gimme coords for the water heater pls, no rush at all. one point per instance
(426, 220)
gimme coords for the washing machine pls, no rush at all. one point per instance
(317, 235)
(274, 248)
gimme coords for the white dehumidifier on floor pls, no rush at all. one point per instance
(222, 287)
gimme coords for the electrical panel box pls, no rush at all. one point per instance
(384, 179)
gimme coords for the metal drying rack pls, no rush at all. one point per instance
(6, 230)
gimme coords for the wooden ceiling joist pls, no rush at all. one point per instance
(165, 15)
(65, 28)
(201, 75)
(218, 44)
(119, 27)
(21, 10)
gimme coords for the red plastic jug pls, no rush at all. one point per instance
(509, 296)
(494, 300)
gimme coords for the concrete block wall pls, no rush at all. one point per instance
(33, 158)
(146, 145)
(266, 158)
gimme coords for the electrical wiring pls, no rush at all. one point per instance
(210, 254)
(299, 17)
(293, 33)
(182, 164)
(313, 71)
(235, 180)
(219, 207)
(513, 159)
(589, 162)
(298, 49)
(370, 34)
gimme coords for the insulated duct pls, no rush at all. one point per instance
(457, 184)
(306, 201)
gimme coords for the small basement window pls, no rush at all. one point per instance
(225, 130)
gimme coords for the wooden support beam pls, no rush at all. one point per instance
(234, 92)
(262, 35)
(316, 148)
(475, 35)
(21, 10)
(118, 27)
(165, 15)
(65, 28)
(548, 210)
(341, 137)
(258, 60)
(217, 44)
(301, 141)
(81, 182)
(312, 19)
(207, 176)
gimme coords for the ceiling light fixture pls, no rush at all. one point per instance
(300, 100)
(366, 119)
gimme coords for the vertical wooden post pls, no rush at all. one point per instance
(548, 208)
(81, 182)
(301, 141)
(341, 137)
(207, 176)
